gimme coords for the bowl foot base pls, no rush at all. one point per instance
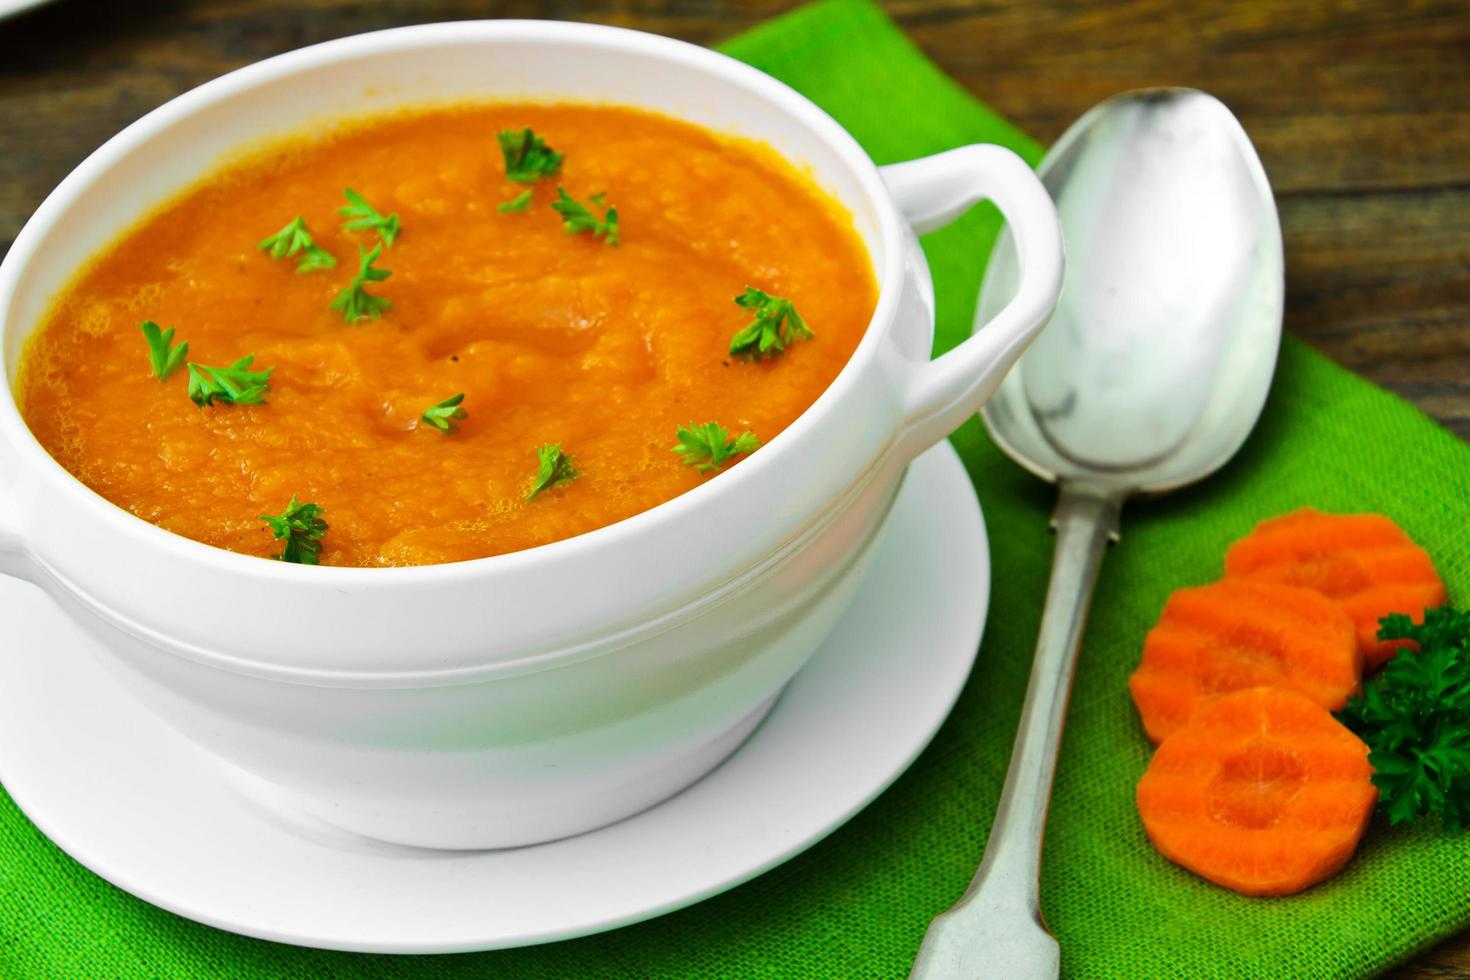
(494, 825)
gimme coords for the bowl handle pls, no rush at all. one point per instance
(933, 191)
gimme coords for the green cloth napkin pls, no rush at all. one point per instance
(857, 904)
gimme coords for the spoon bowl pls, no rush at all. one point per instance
(1152, 372)
(1156, 363)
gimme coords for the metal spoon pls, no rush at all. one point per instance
(1150, 375)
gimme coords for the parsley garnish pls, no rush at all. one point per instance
(707, 447)
(517, 204)
(355, 302)
(1415, 717)
(302, 527)
(295, 238)
(554, 468)
(444, 415)
(527, 157)
(233, 385)
(776, 324)
(164, 356)
(577, 218)
(365, 216)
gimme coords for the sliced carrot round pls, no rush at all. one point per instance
(1263, 792)
(1236, 634)
(1363, 562)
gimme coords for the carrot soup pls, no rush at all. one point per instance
(448, 333)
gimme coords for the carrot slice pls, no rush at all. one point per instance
(1263, 792)
(1363, 562)
(1239, 633)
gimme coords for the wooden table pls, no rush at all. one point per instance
(1361, 112)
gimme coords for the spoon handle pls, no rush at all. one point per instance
(996, 928)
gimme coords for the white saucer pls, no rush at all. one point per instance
(11, 7)
(193, 836)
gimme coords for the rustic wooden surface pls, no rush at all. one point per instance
(1361, 112)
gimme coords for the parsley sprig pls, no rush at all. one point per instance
(776, 324)
(164, 356)
(517, 204)
(364, 217)
(233, 385)
(302, 528)
(445, 415)
(707, 447)
(294, 239)
(527, 157)
(1415, 718)
(553, 468)
(577, 217)
(354, 301)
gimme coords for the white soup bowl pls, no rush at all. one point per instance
(526, 696)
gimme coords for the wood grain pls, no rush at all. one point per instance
(1361, 111)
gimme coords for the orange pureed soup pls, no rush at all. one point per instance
(554, 337)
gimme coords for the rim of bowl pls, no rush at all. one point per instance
(33, 455)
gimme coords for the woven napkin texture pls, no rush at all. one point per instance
(856, 905)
